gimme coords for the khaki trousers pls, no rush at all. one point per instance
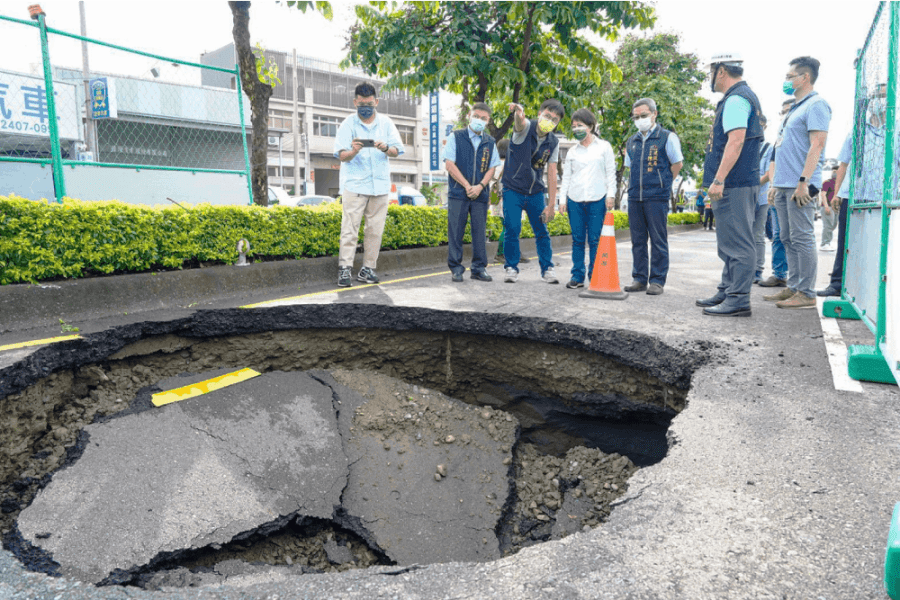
(374, 209)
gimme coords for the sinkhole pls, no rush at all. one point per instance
(372, 435)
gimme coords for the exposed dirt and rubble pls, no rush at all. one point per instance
(422, 390)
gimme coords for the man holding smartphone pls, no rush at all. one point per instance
(364, 143)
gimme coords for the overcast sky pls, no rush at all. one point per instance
(767, 34)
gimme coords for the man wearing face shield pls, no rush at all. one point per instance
(796, 178)
(654, 156)
(470, 157)
(731, 174)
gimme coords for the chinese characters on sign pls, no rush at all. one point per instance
(103, 98)
(434, 138)
(24, 110)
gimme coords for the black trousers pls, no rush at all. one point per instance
(458, 213)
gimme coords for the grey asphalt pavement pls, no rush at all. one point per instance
(776, 485)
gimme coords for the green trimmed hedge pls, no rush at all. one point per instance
(42, 240)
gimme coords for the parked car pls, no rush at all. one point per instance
(311, 200)
(278, 195)
(409, 196)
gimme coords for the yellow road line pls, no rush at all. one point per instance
(63, 338)
(358, 287)
(204, 387)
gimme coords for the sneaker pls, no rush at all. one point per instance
(829, 291)
(550, 276)
(784, 294)
(773, 281)
(344, 277)
(798, 300)
(654, 289)
(826, 248)
(636, 286)
(511, 275)
(368, 275)
(574, 284)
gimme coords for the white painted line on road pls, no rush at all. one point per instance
(837, 353)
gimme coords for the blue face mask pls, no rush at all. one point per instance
(365, 112)
(477, 125)
(788, 87)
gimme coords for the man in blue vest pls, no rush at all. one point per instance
(533, 146)
(731, 174)
(654, 156)
(470, 157)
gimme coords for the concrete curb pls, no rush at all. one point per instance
(27, 306)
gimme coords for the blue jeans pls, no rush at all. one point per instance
(586, 222)
(648, 220)
(513, 205)
(799, 239)
(779, 257)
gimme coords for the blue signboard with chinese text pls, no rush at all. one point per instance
(103, 98)
(434, 134)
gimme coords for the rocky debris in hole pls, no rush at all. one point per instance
(429, 474)
(556, 497)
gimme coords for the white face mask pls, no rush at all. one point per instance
(644, 124)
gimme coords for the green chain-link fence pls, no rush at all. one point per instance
(140, 127)
(871, 290)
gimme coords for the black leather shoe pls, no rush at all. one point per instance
(636, 286)
(479, 276)
(713, 301)
(724, 310)
(456, 277)
(829, 291)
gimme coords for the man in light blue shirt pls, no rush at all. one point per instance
(364, 143)
(796, 181)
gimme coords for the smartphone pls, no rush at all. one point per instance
(366, 143)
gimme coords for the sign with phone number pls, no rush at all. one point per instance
(24, 110)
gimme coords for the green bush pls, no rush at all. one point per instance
(42, 240)
(685, 218)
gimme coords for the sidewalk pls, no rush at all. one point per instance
(775, 486)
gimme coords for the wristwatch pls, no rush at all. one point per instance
(717, 182)
(803, 180)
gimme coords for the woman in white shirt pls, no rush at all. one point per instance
(588, 185)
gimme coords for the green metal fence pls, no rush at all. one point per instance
(140, 127)
(871, 283)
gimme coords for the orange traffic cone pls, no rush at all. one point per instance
(605, 278)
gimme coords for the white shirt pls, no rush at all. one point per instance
(589, 172)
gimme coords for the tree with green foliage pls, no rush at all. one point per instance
(258, 79)
(494, 52)
(652, 67)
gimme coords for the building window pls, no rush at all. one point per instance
(286, 172)
(282, 119)
(403, 178)
(407, 134)
(325, 126)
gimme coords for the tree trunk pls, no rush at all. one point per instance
(259, 94)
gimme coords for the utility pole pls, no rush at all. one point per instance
(89, 137)
(295, 126)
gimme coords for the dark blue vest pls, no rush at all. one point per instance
(651, 171)
(472, 163)
(524, 170)
(745, 172)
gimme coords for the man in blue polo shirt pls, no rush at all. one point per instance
(363, 144)
(796, 180)
(470, 157)
(654, 158)
(731, 174)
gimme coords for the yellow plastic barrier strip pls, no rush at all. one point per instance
(62, 338)
(204, 387)
(348, 289)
